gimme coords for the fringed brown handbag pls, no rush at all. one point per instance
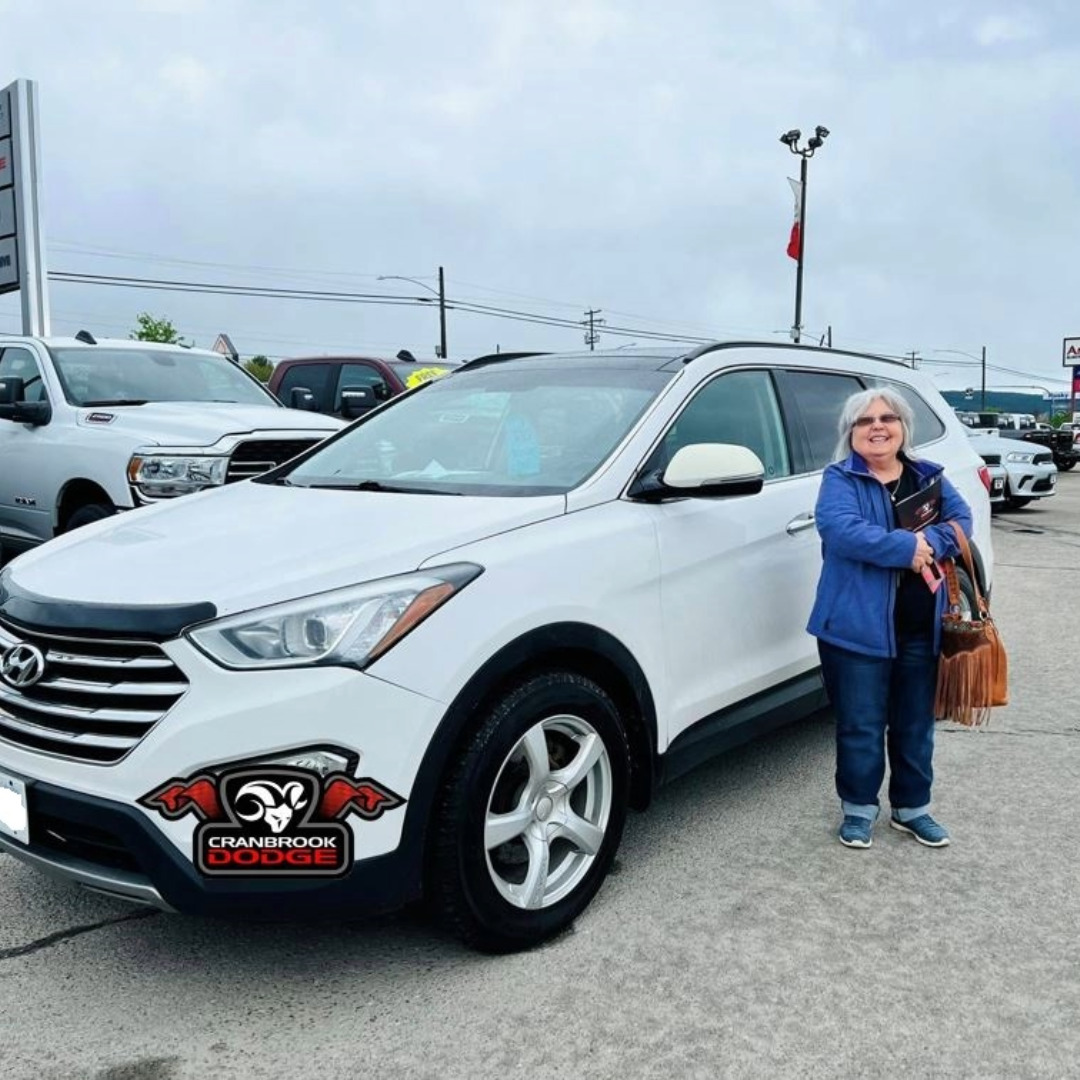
(973, 673)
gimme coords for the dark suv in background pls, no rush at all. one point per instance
(348, 386)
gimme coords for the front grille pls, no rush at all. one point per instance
(97, 698)
(992, 459)
(256, 456)
(1043, 458)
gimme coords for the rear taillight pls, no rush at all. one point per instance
(984, 476)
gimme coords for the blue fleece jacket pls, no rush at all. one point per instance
(862, 553)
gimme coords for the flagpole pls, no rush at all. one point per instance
(796, 330)
(791, 140)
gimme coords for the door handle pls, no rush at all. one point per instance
(800, 524)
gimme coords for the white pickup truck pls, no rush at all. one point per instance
(88, 428)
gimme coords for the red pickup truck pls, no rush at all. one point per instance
(348, 386)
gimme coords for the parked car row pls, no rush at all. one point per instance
(1020, 471)
(485, 621)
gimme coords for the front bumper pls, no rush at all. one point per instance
(86, 824)
(1030, 481)
(114, 849)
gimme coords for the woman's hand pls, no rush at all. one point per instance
(924, 553)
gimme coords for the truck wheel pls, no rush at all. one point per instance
(85, 515)
(531, 814)
(1065, 466)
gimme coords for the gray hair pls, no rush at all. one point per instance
(859, 402)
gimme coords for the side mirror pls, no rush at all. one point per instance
(15, 407)
(300, 397)
(704, 470)
(356, 400)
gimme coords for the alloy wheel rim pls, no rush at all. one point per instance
(548, 812)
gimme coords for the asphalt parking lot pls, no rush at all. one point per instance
(737, 938)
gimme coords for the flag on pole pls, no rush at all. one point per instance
(794, 247)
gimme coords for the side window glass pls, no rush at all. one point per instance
(928, 425)
(313, 377)
(19, 363)
(820, 399)
(361, 375)
(738, 408)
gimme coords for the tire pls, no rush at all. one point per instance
(967, 593)
(557, 842)
(1065, 466)
(86, 515)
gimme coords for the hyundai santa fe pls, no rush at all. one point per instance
(442, 654)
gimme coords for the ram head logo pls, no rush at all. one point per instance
(275, 804)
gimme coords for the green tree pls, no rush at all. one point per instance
(156, 329)
(260, 367)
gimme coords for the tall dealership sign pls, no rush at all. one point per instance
(22, 246)
(1070, 358)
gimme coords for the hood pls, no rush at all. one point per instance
(200, 423)
(998, 444)
(251, 544)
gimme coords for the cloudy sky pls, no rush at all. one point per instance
(561, 155)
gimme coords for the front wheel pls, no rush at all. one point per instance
(86, 515)
(1066, 465)
(531, 815)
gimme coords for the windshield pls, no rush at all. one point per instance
(95, 375)
(535, 431)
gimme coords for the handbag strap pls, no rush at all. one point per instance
(969, 564)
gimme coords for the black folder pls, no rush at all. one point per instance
(921, 509)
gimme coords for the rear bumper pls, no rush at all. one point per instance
(113, 849)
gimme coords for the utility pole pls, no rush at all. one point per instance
(791, 140)
(982, 397)
(592, 335)
(914, 356)
(442, 315)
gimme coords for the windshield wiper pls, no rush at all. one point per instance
(374, 485)
(114, 401)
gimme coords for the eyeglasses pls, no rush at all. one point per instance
(884, 418)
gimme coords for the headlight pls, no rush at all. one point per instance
(350, 626)
(163, 476)
(1020, 457)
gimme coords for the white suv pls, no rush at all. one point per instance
(445, 651)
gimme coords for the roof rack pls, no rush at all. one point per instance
(713, 346)
(493, 358)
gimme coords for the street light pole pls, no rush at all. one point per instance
(442, 315)
(440, 293)
(982, 365)
(791, 140)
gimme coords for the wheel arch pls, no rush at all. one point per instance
(74, 494)
(577, 647)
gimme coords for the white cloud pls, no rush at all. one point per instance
(1005, 29)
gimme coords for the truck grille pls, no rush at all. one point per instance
(1044, 458)
(97, 699)
(256, 456)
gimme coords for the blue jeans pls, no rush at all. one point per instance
(883, 704)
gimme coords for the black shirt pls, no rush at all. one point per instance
(916, 606)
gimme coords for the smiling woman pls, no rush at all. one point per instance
(877, 614)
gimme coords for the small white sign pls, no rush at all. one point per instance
(9, 265)
(5, 114)
(1070, 352)
(14, 820)
(7, 212)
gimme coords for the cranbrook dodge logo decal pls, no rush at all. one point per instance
(272, 821)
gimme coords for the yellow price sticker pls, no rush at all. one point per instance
(425, 374)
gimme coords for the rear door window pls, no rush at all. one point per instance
(361, 375)
(928, 425)
(813, 401)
